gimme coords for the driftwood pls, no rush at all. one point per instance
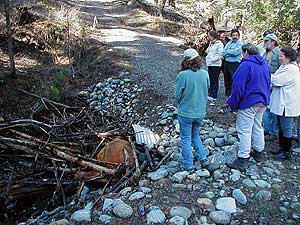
(164, 159)
(52, 155)
(52, 152)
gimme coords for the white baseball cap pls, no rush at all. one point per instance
(270, 37)
(190, 54)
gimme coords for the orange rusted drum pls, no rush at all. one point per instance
(113, 152)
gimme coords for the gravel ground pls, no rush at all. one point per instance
(155, 59)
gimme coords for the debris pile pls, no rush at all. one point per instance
(61, 149)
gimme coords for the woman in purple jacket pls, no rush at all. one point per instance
(250, 95)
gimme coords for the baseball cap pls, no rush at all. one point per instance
(266, 32)
(190, 54)
(222, 29)
(270, 37)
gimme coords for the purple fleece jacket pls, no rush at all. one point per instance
(251, 84)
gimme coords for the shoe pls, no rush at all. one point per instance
(276, 151)
(258, 156)
(295, 138)
(280, 142)
(211, 99)
(239, 164)
(286, 149)
(191, 169)
(282, 156)
(204, 163)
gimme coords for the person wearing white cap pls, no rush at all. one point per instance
(261, 45)
(272, 52)
(192, 85)
(271, 56)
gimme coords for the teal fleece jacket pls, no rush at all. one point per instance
(191, 93)
(233, 51)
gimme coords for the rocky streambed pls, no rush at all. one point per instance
(266, 193)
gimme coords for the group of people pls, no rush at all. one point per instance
(262, 83)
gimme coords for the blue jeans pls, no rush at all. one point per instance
(286, 125)
(270, 122)
(189, 135)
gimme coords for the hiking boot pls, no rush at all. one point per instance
(190, 170)
(276, 151)
(286, 149)
(258, 156)
(280, 142)
(282, 156)
(204, 163)
(239, 164)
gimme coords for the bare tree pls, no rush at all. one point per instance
(9, 39)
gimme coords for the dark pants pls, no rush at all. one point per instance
(229, 69)
(222, 66)
(214, 73)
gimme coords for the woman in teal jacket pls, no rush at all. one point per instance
(192, 85)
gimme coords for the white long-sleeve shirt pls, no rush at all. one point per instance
(214, 53)
(285, 97)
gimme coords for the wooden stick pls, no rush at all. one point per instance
(127, 163)
(150, 160)
(80, 190)
(8, 187)
(137, 169)
(68, 156)
(23, 122)
(75, 159)
(164, 159)
(63, 148)
(54, 182)
(125, 177)
(46, 99)
(103, 191)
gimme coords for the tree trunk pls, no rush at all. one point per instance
(163, 4)
(211, 22)
(226, 13)
(9, 40)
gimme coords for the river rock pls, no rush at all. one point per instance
(60, 222)
(158, 174)
(136, 195)
(220, 217)
(123, 210)
(181, 211)
(156, 216)
(203, 173)
(105, 219)
(179, 176)
(219, 142)
(239, 196)
(249, 183)
(264, 195)
(83, 214)
(262, 183)
(227, 204)
(177, 220)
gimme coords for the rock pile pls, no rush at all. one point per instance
(114, 96)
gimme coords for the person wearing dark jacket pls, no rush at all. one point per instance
(250, 96)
